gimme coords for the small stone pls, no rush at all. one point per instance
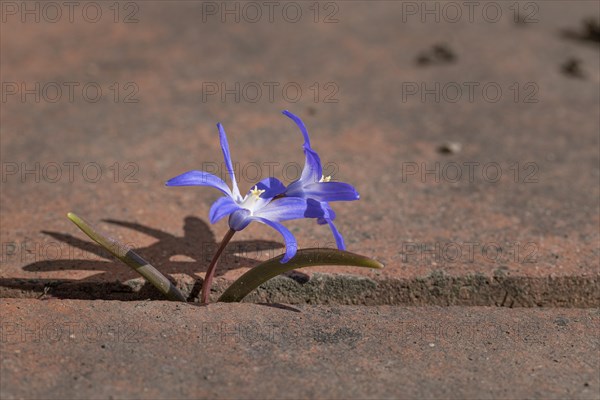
(561, 321)
(572, 67)
(450, 148)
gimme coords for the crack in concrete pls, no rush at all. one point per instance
(436, 289)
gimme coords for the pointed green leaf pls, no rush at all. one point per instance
(303, 258)
(131, 258)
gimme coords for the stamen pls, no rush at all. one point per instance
(255, 192)
(325, 178)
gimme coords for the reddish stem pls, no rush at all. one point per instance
(210, 272)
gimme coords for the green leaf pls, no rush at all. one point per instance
(303, 258)
(131, 258)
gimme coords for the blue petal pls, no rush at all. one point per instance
(221, 208)
(228, 163)
(311, 173)
(272, 187)
(328, 219)
(287, 208)
(199, 178)
(331, 191)
(239, 219)
(329, 213)
(291, 246)
(339, 240)
(300, 124)
(312, 170)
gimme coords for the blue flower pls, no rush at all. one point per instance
(313, 185)
(264, 203)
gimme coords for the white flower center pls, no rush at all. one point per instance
(253, 201)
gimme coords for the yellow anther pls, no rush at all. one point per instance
(325, 178)
(256, 192)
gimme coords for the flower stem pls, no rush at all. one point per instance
(210, 272)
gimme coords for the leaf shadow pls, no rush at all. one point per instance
(196, 247)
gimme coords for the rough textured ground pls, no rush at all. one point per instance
(474, 146)
(159, 350)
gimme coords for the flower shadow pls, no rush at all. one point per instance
(170, 254)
